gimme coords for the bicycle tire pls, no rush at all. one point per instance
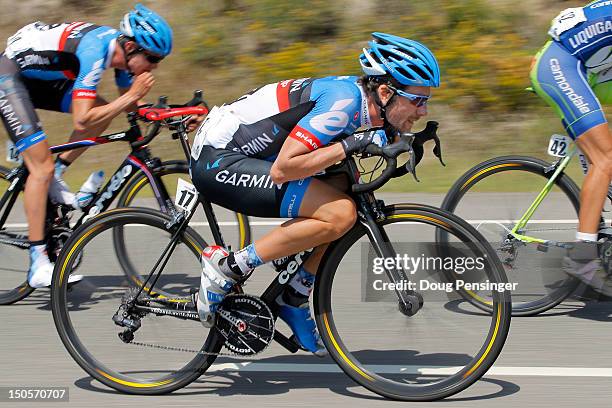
(60, 306)
(355, 369)
(517, 163)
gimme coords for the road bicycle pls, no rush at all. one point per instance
(138, 172)
(414, 345)
(530, 231)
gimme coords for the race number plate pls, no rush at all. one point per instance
(12, 154)
(558, 145)
(567, 19)
(186, 196)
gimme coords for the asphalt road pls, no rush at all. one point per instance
(562, 358)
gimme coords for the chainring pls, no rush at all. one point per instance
(247, 324)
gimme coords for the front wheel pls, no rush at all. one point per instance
(431, 354)
(494, 195)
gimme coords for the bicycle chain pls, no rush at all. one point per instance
(184, 349)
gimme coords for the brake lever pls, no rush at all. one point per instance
(437, 150)
(411, 165)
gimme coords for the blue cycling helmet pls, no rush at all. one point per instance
(148, 29)
(408, 61)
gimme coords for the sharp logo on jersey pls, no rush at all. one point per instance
(84, 94)
(245, 180)
(332, 123)
(308, 139)
(583, 36)
(9, 115)
(285, 83)
(566, 88)
(93, 77)
(257, 145)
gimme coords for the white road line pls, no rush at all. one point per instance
(408, 369)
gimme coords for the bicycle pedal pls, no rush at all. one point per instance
(542, 248)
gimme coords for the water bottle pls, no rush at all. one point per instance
(88, 190)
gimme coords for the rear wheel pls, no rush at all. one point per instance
(14, 246)
(165, 352)
(537, 268)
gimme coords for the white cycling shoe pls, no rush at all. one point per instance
(39, 276)
(214, 284)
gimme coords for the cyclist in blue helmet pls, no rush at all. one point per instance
(149, 31)
(393, 63)
(263, 155)
(58, 67)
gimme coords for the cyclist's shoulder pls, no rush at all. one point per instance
(341, 92)
(94, 38)
(336, 87)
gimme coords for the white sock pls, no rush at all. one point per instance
(584, 236)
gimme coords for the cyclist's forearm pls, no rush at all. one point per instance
(306, 165)
(134, 106)
(101, 115)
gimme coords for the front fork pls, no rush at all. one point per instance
(370, 213)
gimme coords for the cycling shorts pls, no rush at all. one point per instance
(560, 78)
(243, 184)
(17, 109)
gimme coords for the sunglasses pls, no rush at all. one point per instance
(416, 100)
(151, 58)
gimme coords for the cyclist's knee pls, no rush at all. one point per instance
(42, 169)
(341, 217)
(604, 165)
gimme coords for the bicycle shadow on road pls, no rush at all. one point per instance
(271, 377)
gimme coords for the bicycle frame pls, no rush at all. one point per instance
(558, 167)
(369, 210)
(139, 159)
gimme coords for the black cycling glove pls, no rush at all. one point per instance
(357, 142)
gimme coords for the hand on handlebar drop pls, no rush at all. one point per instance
(194, 122)
(357, 142)
(142, 85)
